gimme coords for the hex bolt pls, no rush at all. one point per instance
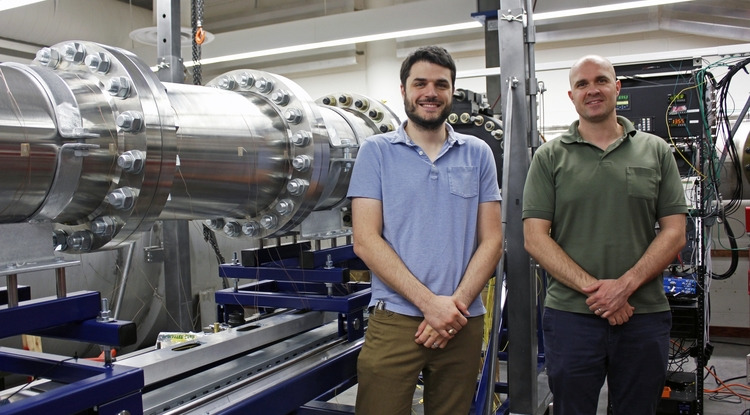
(268, 221)
(247, 80)
(329, 262)
(361, 104)
(345, 100)
(227, 83)
(384, 128)
(103, 226)
(48, 57)
(105, 313)
(293, 115)
(233, 229)
(251, 228)
(375, 114)
(122, 198)
(130, 121)
(81, 241)
(264, 85)
(296, 187)
(217, 223)
(301, 163)
(329, 100)
(285, 207)
(74, 52)
(60, 240)
(132, 161)
(301, 138)
(280, 97)
(98, 62)
(119, 87)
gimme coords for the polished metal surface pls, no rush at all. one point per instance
(92, 142)
(195, 390)
(167, 363)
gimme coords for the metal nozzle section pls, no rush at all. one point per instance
(92, 141)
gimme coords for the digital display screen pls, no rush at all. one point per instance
(676, 122)
(677, 98)
(623, 102)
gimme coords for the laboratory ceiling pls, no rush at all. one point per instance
(240, 26)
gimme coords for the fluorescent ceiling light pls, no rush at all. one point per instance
(603, 9)
(340, 42)
(12, 4)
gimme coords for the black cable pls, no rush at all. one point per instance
(210, 237)
(733, 248)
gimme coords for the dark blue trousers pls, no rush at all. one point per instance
(582, 350)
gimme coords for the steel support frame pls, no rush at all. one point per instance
(23, 292)
(291, 393)
(516, 35)
(110, 389)
(72, 317)
(294, 283)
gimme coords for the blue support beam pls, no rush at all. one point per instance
(316, 259)
(344, 298)
(43, 313)
(111, 333)
(333, 275)
(286, 397)
(86, 385)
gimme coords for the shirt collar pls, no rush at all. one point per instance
(402, 137)
(573, 136)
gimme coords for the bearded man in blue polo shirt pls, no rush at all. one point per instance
(426, 221)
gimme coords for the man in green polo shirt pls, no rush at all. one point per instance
(590, 205)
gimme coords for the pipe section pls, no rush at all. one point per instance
(92, 141)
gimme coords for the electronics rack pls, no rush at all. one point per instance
(661, 98)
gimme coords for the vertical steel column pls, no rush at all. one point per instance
(176, 233)
(168, 44)
(61, 286)
(11, 282)
(515, 67)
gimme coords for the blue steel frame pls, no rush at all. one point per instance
(301, 394)
(285, 283)
(85, 385)
(110, 389)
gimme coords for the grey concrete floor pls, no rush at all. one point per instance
(728, 363)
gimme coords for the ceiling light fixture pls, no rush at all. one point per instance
(340, 42)
(603, 9)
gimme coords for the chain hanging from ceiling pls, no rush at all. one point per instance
(199, 36)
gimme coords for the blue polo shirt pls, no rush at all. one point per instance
(430, 208)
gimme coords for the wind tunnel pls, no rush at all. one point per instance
(92, 141)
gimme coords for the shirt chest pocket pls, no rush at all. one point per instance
(464, 181)
(642, 182)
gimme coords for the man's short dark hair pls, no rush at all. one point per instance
(432, 54)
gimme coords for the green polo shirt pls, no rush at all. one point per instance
(604, 205)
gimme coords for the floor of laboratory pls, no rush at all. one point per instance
(729, 395)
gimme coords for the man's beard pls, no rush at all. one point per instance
(427, 124)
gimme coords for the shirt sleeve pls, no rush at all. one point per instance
(489, 190)
(539, 189)
(366, 174)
